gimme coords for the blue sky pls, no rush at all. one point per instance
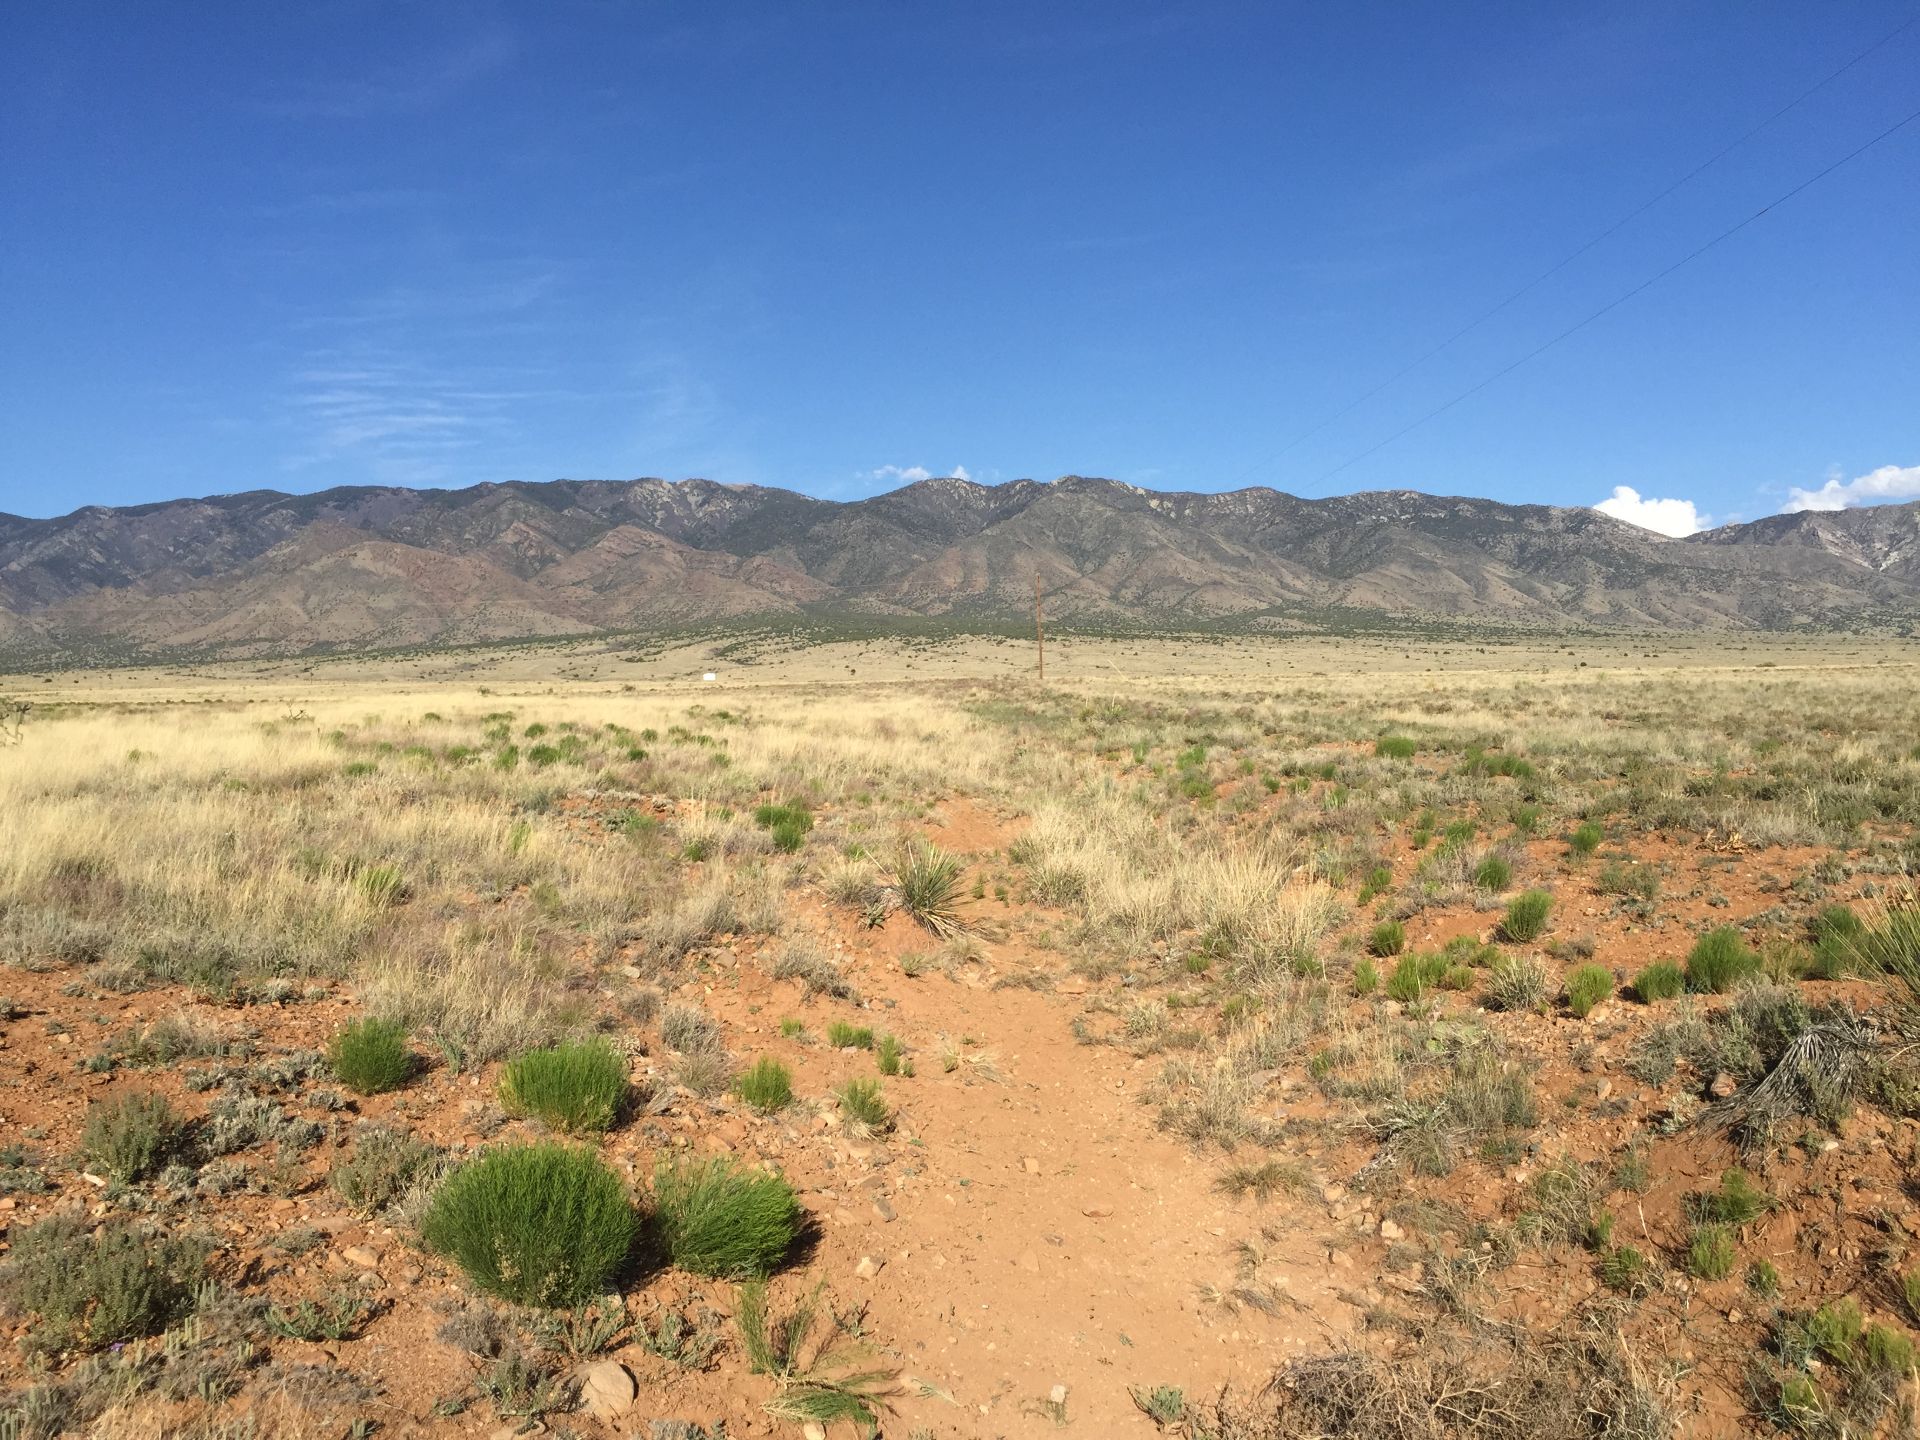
(825, 246)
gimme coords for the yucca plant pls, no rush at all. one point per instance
(929, 883)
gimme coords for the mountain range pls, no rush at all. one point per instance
(359, 567)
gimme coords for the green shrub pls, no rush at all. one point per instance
(1415, 975)
(862, 1102)
(1493, 873)
(370, 1056)
(788, 824)
(88, 1290)
(1395, 747)
(1737, 1202)
(1837, 933)
(766, 1085)
(534, 1224)
(1389, 938)
(1587, 986)
(843, 1036)
(577, 1086)
(1661, 980)
(716, 1219)
(1366, 976)
(1710, 1252)
(1720, 960)
(129, 1135)
(1624, 1269)
(890, 1057)
(1886, 1351)
(1834, 1329)
(1526, 917)
(380, 1169)
(1586, 838)
(1763, 1279)
(1638, 882)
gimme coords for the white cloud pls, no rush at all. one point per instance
(1889, 482)
(910, 474)
(1668, 517)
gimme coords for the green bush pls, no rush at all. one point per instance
(1837, 933)
(1638, 882)
(1493, 873)
(767, 1085)
(1710, 1253)
(1395, 747)
(1720, 960)
(1587, 986)
(891, 1059)
(863, 1104)
(534, 1224)
(1415, 975)
(89, 1290)
(1586, 838)
(843, 1036)
(716, 1219)
(1661, 980)
(1526, 917)
(577, 1086)
(371, 1056)
(1366, 976)
(130, 1135)
(1737, 1202)
(788, 824)
(1389, 938)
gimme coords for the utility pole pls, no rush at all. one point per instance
(1039, 631)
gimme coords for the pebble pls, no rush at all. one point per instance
(1097, 1212)
(364, 1256)
(883, 1208)
(870, 1266)
(1723, 1085)
(1030, 1165)
(1391, 1231)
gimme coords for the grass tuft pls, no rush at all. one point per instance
(1526, 917)
(766, 1085)
(371, 1056)
(578, 1086)
(719, 1220)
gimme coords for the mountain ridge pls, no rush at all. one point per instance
(262, 571)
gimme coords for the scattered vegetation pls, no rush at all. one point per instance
(715, 1218)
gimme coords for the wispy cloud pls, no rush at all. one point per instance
(1676, 518)
(1888, 483)
(401, 87)
(913, 474)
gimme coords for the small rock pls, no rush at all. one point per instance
(1097, 1212)
(1058, 1395)
(1334, 1194)
(607, 1390)
(1030, 1165)
(1391, 1231)
(1339, 1259)
(1723, 1085)
(870, 1266)
(1603, 1090)
(883, 1208)
(363, 1256)
(813, 1430)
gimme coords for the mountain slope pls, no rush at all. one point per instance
(263, 571)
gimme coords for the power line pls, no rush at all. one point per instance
(1611, 230)
(1622, 299)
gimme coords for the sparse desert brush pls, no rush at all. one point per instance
(1517, 983)
(1388, 939)
(863, 1105)
(131, 1134)
(820, 1380)
(717, 1219)
(1587, 986)
(575, 1086)
(88, 1290)
(542, 1225)
(928, 880)
(370, 1056)
(766, 1085)
(1661, 980)
(686, 1028)
(1719, 961)
(380, 1169)
(1526, 917)
(802, 959)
